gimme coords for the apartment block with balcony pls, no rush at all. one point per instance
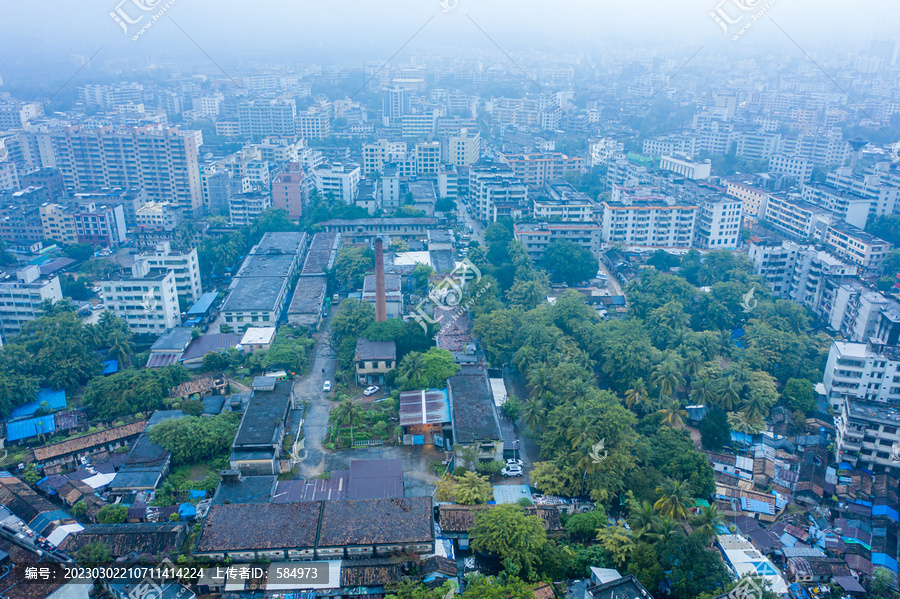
(866, 435)
(796, 218)
(752, 198)
(341, 180)
(538, 168)
(244, 208)
(649, 221)
(100, 225)
(184, 265)
(22, 299)
(792, 166)
(856, 246)
(868, 372)
(464, 148)
(491, 185)
(289, 190)
(259, 118)
(536, 237)
(58, 223)
(147, 300)
(718, 224)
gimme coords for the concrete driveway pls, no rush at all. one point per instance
(309, 389)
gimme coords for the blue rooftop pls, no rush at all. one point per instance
(56, 399)
(203, 304)
(109, 367)
(32, 427)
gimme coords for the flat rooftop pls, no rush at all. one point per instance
(263, 416)
(254, 293)
(285, 243)
(309, 295)
(267, 265)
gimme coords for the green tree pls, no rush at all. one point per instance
(534, 414)
(354, 317)
(675, 497)
(527, 295)
(715, 432)
(800, 395)
(499, 334)
(584, 526)
(409, 589)
(121, 348)
(192, 407)
(880, 587)
(617, 541)
(61, 348)
(637, 395)
(490, 587)
(352, 265)
(517, 539)
(93, 554)
(673, 414)
(348, 413)
(569, 262)
(708, 522)
(468, 489)
(512, 409)
(690, 569)
(131, 391)
(112, 514)
(195, 440)
(79, 510)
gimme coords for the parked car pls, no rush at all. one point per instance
(512, 471)
(96, 289)
(326, 387)
(370, 390)
(512, 462)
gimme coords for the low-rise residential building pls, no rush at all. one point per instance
(146, 300)
(464, 148)
(866, 435)
(752, 198)
(158, 216)
(68, 453)
(668, 145)
(796, 218)
(365, 230)
(184, 265)
(100, 225)
(792, 166)
(289, 190)
(22, 299)
(374, 359)
(492, 186)
(258, 339)
(686, 167)
(536, 237)
(563, 202)
(867, 372)
(58, 223)
(718, 223)
(648, 220)
(339, 180)
(539, 168)
(244, 208)
(856, 246)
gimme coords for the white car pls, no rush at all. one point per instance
(370, 390)
(512, 462)
(326, 387)
(512, 471)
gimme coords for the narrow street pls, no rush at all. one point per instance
(309, 389)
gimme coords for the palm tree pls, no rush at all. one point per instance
(674, 498)
(664, 530)
(577, 389)
(741, 422)
(637, 395)
(539, 381)
(729, 393)
(693, 362)
(580, 432)
(534, 416)
(667, 376)
(412, 366)
(348, 412)
(673, 414)
(121, 348)
(642, 519)
(708, 521)
(757, 407)
(523, 358)
(704, 392)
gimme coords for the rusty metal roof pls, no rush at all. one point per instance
(430, 406)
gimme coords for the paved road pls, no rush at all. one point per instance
(468, 220)
(309, 389)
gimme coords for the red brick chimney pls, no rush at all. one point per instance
(380, 298)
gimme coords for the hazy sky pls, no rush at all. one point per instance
(46, 33)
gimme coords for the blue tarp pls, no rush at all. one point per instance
(42, 521)
(186, 510)
(197, 494)
(56, 399)
(109, 367)
(25, 429)
(886, 510)
(882, 559)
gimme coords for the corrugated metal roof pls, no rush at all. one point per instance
(25, 429)
(424, 407)
(55, 399)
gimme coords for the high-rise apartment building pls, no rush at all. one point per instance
(21, 299)
(162, 162)
(464, 149)
(289, 190)
(259, 118)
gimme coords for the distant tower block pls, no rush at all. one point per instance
(856, 145)
(380, 298)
